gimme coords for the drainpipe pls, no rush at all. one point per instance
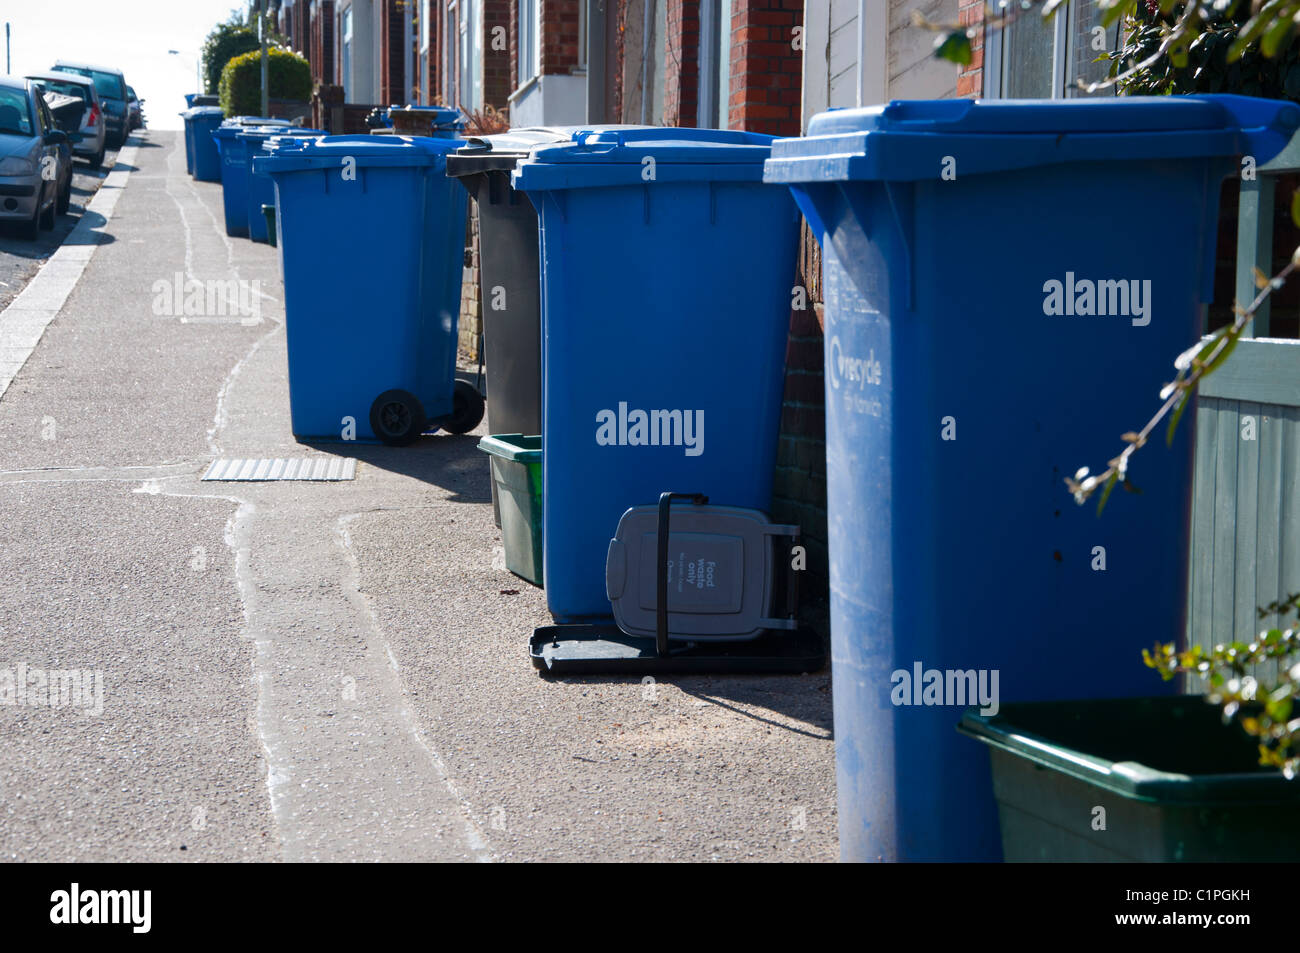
(596, 66)
(645, 54)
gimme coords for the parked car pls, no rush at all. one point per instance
(135, 110)
(35, 159)
(92, 127)
(111, 86)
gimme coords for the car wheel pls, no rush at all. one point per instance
(65, 195)
(98, 160)
(30, 229)
(47, 215)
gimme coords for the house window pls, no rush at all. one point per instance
(715, 64)
(1033, 58)
(470, 84)
(530, 30)
(582, 35)
(345, 54)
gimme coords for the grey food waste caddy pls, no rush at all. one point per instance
(725, 573)
(510, 277)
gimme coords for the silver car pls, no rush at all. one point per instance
(93, 126)
(35, 161)
(111, 86)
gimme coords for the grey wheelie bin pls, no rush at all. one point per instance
(508, 269)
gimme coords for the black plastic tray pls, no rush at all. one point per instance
(606, 650)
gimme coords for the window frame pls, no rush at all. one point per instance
(1064, 37)
(533, 34)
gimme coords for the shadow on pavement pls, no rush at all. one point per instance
(450, 461)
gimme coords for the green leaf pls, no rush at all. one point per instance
(1228, 348)
(1274, 39)
(1105, 490)
(1295, 197)
(1255, 28)
(1279, 711)
(1114, 9)
(1177, 416)
(955, 48)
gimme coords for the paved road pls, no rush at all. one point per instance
(19, 258)
(315, 671)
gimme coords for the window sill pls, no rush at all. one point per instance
(523, 89)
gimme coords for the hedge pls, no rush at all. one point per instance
(223, 44)
(289, 77)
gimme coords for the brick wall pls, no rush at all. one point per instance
(559, 36)
(682, 64)
(392, 47)
(322, 43)
(970, 78)
(766, 70)
(766, 96)
(498, 64)
(799, 487)
(301, 28)
(432, 76)
(471, 302)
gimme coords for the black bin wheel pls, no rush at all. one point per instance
(397, 418)
(466, 409)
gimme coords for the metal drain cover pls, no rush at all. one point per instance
(281, 468)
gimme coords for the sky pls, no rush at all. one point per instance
(133, 35)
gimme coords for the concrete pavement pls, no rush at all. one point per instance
(304, 671)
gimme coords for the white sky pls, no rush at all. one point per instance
(133, 35)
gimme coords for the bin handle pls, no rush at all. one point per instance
(661, 580)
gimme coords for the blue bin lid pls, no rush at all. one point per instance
(202, 111)
(614, 155)
(227, 131)
(908, 140)
(329, 151)
(256, 121)
(271, 132)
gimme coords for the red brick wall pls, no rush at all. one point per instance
(766, 70)
(498, 65)
(559, 36)
(392, 45)
(970, 79)
(433, 78)
(322, 43)
(682, 64)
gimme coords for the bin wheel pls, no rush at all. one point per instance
(466, 409)
(397, 418)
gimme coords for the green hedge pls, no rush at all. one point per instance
(289, 77)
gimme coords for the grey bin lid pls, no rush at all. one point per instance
(500, 151)
(721, 574)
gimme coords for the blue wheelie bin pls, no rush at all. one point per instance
(260, 190)
(371, 235)
(189, 140)
(667, 266)
(991, 327)
(200, 123)
(235, 167)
